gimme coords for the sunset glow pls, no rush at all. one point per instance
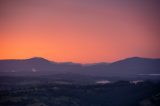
(84, 31)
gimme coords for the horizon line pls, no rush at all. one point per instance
(78, 62)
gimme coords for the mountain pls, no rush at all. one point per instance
(34, 66)
(129, 67)
(134, 67)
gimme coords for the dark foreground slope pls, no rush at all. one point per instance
(120, 93)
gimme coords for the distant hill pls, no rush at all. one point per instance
(129, 67)
(35, 66)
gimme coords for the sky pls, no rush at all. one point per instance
(84, 31)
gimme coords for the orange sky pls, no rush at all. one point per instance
(83, 31)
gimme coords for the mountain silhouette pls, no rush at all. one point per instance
(36, 64)
(39, 66)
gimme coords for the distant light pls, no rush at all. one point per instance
(149, 74)
(13, 71)
(34, 70)
(103, 82)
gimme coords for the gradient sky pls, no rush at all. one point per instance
(83, 31)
